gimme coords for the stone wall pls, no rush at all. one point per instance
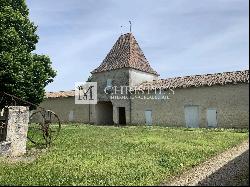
(119, 77)
(121, 103)
(68, 111)
(230, 101)
(104, 113)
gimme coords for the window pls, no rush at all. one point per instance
(109, 83)
(148, 116)
(212, 117)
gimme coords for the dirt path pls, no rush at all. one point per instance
(224, 169)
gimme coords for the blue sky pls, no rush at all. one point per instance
(178, 37)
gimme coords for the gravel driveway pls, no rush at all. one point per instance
(228, 168)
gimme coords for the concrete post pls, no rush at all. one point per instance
(17, 129)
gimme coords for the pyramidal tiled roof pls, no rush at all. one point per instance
(126, 53)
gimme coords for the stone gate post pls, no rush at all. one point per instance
(17, 129)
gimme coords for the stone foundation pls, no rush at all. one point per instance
(5, 148)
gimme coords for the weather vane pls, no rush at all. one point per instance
(130, 28)
(121, 29)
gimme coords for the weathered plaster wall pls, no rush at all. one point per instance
(136, 77)
(64, 106)
(231, 102)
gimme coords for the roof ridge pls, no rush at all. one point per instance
(130, 48)
(233, 77)
(207, 74)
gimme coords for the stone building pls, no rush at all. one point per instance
(212, 100)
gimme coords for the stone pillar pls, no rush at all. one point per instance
(115, 115)
(17, 129)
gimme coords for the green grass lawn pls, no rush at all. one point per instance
(93, 155)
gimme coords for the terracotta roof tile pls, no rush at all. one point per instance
(126, 53)
(60, 94)
(224, 78)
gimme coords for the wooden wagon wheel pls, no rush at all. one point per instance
(44, 127)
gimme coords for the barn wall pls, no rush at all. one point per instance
(231, 102)
(63, 106)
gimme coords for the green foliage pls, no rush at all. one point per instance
(92, 155)
(22, 73)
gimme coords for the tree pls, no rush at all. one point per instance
(22, 73)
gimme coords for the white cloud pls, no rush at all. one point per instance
(178, 37)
